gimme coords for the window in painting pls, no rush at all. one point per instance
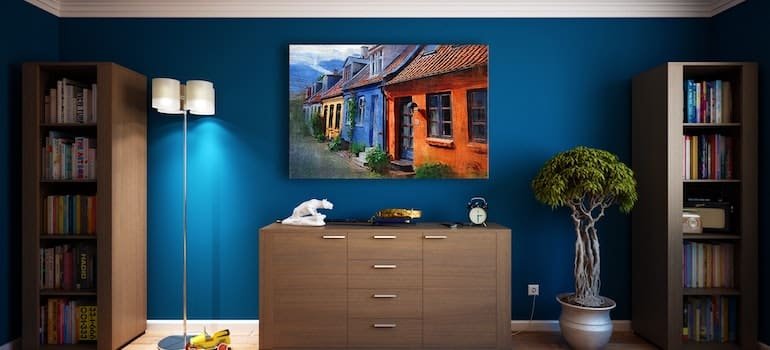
(477, 115)
(440, 113)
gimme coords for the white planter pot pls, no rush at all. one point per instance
(585, 328)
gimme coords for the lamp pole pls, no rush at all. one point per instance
(184, 229)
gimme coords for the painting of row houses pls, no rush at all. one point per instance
(388, 111)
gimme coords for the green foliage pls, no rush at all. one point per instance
(335, 144)
(582, 174)
(318, 127)
(434, 170)
(351, 109)
(377, 161)
(356, 148)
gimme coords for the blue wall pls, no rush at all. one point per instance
(29, 34)
(743, 33)
(554, 84)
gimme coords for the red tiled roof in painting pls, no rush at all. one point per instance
(363, 78)
(446, 59)
(334, 91)
(316, 98)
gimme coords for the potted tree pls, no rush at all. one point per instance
(588, 181)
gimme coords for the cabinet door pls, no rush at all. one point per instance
(304, 290)
(460, 290)
(314, 318)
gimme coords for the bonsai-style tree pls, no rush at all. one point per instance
(588, 181)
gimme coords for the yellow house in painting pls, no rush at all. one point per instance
(333, 110)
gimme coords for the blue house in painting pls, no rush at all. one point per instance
(364, 92)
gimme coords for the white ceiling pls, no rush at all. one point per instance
(385, 8)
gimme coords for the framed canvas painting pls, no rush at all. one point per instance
(388, 111)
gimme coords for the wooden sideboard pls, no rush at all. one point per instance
(384, 287)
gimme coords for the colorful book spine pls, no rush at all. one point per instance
(710, 319)
(707, 101)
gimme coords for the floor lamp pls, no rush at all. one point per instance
(169, 96)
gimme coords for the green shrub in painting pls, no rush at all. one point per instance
(377, 161)
(356, 148)
(335, 144)
(318, 127)
(434, 170)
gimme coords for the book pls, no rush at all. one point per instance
(87, 323)
(71, 101)
(85, 266)
(727, 103)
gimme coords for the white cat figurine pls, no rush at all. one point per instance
(306, 213)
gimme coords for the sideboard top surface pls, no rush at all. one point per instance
(423, 226)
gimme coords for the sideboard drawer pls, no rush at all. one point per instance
(384, 333)
(384, 245)
(406, 303)
(384, 274)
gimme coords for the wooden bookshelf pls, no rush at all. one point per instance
(659, 110)
(119, 188)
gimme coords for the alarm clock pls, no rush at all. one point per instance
(477, 211)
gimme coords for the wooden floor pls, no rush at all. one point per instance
(526, 340)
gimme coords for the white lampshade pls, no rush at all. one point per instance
(199, 97)
(166, 95)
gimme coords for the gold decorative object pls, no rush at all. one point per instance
(399, 213)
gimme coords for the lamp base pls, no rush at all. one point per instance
(173, 342)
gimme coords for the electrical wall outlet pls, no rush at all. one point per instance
(533, 289)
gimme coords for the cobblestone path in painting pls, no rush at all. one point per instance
(309, 158)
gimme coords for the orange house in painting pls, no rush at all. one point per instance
(436, 110)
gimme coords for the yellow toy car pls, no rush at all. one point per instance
(220, 340)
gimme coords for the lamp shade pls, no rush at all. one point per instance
(166, 95)
(199, 97)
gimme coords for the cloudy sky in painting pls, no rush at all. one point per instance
(311, 55)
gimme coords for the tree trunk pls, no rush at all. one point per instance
(587, 259)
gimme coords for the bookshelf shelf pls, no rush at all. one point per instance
(66, 236)
(664, 148)
(68, 125)
(711, 125)
(711, 291)
(64, 293)
(85, 181)
(84, 346)
(710, 346)
(119, 135)
(708, 236)
(712, 181)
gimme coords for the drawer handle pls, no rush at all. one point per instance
(333, 237)
(385, 296)
(384, 237)
(435, 237)
(378, 266)
(384, 325)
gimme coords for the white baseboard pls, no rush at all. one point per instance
(251, 327)
(12, 345)
(236, 327)
(553, 326)
(763, 346)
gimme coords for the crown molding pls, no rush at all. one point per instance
(723, 5)
(386, 9)
(51, 6)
